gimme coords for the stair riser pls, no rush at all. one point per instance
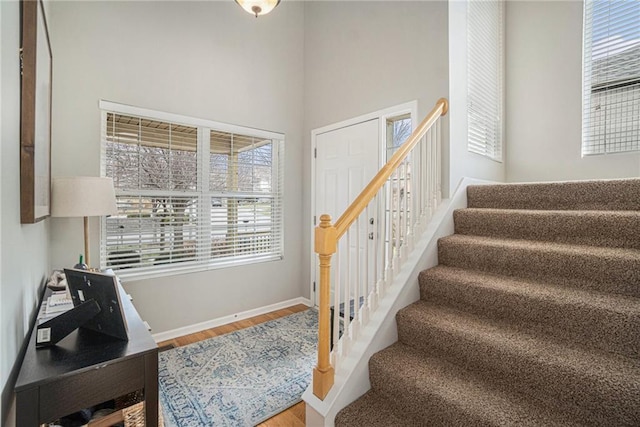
(586, 195)
(525, 373)
(373, 410)
(612, 273)
(409, 399)
(605, 229)
(417, 399)
(599, 328)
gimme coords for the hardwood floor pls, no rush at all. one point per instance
(292, 417)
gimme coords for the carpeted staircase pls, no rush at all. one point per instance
(532, 317)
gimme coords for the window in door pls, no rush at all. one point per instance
(398, 130)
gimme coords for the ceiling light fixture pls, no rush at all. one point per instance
(258, 7)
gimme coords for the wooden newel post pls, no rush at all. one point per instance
(325, 247)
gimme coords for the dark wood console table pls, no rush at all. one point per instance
(86, 369)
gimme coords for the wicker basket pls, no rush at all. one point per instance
(134, 416)
(129, 399)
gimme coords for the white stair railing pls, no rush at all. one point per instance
(372, 239)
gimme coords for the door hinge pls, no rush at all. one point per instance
(21, 61)
(314, 286)
(315, 153)
(314, 220)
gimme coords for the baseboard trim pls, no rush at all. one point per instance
(197, 327)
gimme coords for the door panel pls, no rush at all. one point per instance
(347, 159)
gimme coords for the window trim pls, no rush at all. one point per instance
(186, 120)
(203, 128)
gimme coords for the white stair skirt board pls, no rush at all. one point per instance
(352, 376)
(197, 327)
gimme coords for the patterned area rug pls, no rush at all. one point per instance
(241, 378)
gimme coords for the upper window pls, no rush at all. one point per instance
(485, 60)
(191, 194)
(611, 91)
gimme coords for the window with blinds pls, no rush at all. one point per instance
(189, 197)
(484, 77)
(611, 83)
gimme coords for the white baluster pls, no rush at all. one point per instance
(434, 168)
(375, 289)
(356, 284)
(415, 177)
(365, 270)
(405, 209)
(355, 323)
(410, 209)
(346, 333)
(336, 309)
(425, 179)
(425, 188)
(434, 159)
(382, 237)
(396, 222)
(389, 235)
(439, 161)
(419, 185)
(429, 175)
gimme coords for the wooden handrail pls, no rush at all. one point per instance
(326, 243)
(364, 198)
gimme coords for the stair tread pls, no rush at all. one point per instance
(607, 269)
(617, 194)
(609, 322)
(572, 356)
(453, 389)
(371, 410)
(544, 246)
(559, 212)
(597, 228)
(536, 289)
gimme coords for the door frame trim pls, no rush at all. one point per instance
(410, 108)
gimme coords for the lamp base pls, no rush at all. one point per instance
(86, 242)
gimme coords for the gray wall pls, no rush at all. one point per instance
(361, 57)
(209, 60)
(544, 95)
(24, 249)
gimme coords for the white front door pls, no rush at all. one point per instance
(346, 160)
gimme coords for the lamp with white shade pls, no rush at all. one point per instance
(83, 196)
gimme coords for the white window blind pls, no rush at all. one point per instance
(189, 197)
(246, 212)
(611, 83)
(484, 75)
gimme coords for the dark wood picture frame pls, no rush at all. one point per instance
(35, 114)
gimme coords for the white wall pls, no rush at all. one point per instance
(544, 92)
(362, 57)
(24, 254)
(203, 59)
(464, 163)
